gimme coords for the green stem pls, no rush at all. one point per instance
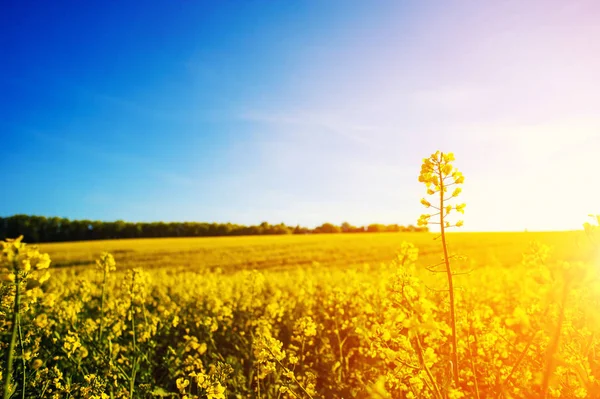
(102, 308)
(434, 386)
(13, 336)
(508, 379)
(24, 364)
(134, 363)
(341, 349)
(293, 377)
(473, 368)
(450, 281)
(554, 343)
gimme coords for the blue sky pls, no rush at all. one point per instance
(301, 112)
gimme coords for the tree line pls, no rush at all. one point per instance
(54, 229)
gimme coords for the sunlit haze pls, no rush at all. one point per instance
(299, 112)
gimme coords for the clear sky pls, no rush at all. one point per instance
(299, 111)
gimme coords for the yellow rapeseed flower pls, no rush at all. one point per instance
(106, 263)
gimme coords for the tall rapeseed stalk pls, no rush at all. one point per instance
(439, 174)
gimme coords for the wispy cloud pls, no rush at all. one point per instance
(448, 97)
(355, 132)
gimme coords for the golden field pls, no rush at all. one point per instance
(316, 316)
(263, 253)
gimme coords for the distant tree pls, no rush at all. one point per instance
(376, 228)
(392, 228)
(328, 228)
(347, 228)
(118, 229)
(301, 230)
(42, 229)
(281, 228)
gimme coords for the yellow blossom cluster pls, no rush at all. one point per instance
(439, 175)
(23, 262)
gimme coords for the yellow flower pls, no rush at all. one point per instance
(41, 320)
(306, 327)
(423, 220)
(182, 383)
(447, 169)
(36, 364)
(106, 263)
(216, 391)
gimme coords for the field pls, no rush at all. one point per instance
(270, 253)
(315, 316)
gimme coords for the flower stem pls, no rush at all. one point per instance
(134, 363)
(434, 386)
(454, 351)
(13, 336)
(554, 344)
(102, 309)
(292, 376)
(24, 364)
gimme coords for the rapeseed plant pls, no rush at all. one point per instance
(106, 264)
(438, 174)
(19, 266)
